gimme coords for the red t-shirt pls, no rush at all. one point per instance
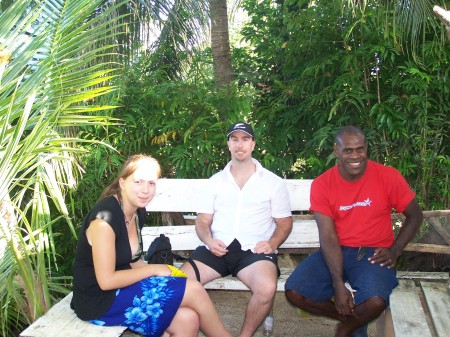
(361, 210)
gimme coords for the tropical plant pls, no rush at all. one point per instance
(47, 91)
(326, 65)
(179, 122)
(166, 31)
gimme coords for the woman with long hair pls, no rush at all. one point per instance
(114, 286)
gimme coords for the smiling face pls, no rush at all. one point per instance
(139, 187)
(241, 145)
(351, 150)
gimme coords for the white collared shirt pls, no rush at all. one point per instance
(246, 214)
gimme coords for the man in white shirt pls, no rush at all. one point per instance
(245, 216)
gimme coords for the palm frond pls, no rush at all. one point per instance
(47, 91)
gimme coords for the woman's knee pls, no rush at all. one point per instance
(185, 322)
(194, 293)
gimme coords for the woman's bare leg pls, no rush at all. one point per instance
(197, 299)
(185, 323)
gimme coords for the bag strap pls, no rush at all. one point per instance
(194, 266)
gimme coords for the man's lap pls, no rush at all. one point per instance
(312, 279)
(232, 262)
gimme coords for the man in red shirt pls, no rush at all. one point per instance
(352, 203)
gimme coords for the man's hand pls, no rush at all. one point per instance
(217, 247)
(343, 301)
(263, 247)
(385, 257)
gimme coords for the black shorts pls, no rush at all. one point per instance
(233, 261)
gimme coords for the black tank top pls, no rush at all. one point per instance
(89, 301)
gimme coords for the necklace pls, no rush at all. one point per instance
(127, 222)
(138, 231)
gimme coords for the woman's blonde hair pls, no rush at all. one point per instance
(128, 168)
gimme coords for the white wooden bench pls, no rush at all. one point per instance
(181, 195)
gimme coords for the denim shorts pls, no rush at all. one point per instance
(233, 261)
(312, 279)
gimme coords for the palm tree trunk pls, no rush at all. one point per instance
(220, 42)
(444, 16)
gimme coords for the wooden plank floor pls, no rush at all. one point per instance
(437, 296)
(407, 311)
(420, 307)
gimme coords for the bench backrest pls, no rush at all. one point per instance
(182, 195)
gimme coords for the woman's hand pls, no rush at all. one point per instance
(160, 270)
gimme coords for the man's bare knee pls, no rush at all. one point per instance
(296, 299)
(373, 306)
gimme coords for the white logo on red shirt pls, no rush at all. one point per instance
(364, 203)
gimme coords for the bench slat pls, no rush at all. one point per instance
(304, 235)
(61, 320)
(437, 296)
(407, 312)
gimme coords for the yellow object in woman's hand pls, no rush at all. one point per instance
(175, 271)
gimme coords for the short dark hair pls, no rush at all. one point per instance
(349, 130)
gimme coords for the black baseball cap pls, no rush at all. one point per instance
(241, 126)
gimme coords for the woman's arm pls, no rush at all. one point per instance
(102, 239)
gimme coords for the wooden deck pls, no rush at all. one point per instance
(418, 309)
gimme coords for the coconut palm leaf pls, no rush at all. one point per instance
(47, 91)
(407, 22)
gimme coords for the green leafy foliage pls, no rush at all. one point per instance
(331, 65)
(47, 90)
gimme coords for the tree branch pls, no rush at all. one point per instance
(444, 16)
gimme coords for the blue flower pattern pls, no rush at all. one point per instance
(143, 316)
(146, 310)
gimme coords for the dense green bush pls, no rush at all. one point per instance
(329, 65)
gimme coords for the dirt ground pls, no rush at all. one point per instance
(288, 322)
(287, 319)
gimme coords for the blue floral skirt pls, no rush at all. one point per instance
(146, 307)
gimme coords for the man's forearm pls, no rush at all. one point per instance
(203, 229)
(334, 261)
(413, 220)
(282, 231)
(331, 250)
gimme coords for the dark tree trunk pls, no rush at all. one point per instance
(220, 42)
